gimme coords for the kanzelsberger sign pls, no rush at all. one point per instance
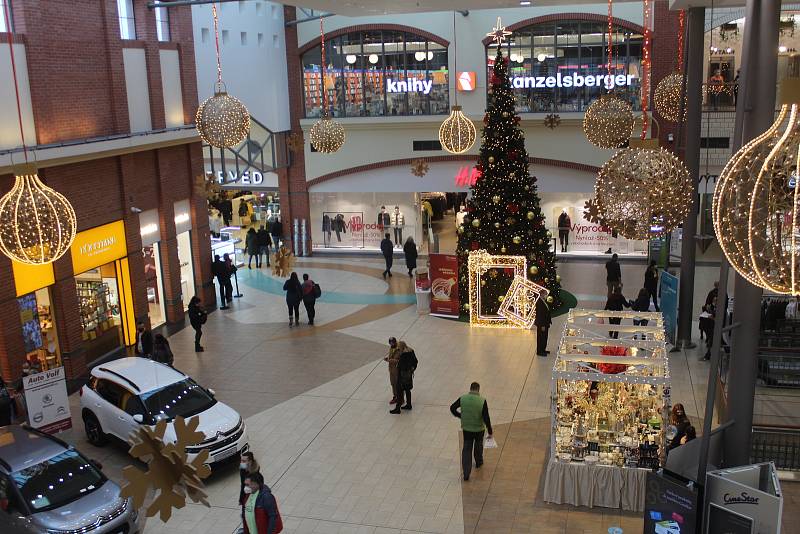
(609, 81)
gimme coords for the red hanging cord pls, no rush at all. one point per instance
(216, 41)
(14, 72)
(682, 26)
(610, 38)
(646, 68)
(322, 84)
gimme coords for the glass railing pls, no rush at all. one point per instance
(262, 150)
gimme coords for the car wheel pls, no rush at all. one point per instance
(94, 432)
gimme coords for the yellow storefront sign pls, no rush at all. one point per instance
(28, 278)
(98, 246)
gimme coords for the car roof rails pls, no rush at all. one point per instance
(116, 374)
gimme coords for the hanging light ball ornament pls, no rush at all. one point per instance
(222, 120)
(327, 135)
(37, 223)
(669, 97)
(457, 133)
(644, 191)
(608, 123)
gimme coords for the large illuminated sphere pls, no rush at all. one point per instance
(669, 97)
(608, 123)
(733, 196)
(457, 133)
(643, 193)
(37, 224)
(222, 120)
(327, 135)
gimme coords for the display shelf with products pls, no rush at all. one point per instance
(97, 308)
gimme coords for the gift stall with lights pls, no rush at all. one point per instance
(610, 406)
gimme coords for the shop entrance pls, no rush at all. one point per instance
(233, 212)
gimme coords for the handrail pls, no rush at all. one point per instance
(249, 155)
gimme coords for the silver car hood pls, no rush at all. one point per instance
(97, 507)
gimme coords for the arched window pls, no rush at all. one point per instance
(562, 65)
(377, 73)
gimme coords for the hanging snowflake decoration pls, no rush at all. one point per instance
(295, 141)
(552, 120)
(419, 167)
(169, 471)
(591, 212)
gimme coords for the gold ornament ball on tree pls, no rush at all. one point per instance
(497, 225)
(491, 159)
(501, 298)
(530, 215)
(460, 229)
(457, 133)
(534, 270)
(222, 120)
(476, 222)
(549, 299)
(37, 223)
(558, 278)
(668, 97)
(496, 199)
(327, 135)
(503, 249)
(517, 240)
(608, 123)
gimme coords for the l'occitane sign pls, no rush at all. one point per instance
(98, 246)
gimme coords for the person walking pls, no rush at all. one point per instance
(220, 271)
(405, 371)
(264, 242)
(144, 340)
(410, 252)
(161, 351)
(311, 293)
(393, 359)
(276, 231)
(251, 244)
(651, 284)
(542, 321)
(260, 513)
(387, 249)
(294, 294)
(247, 467)
(613, 274)
(616, 302)
(475, 420)
(197, 318)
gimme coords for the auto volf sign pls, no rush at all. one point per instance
(47, 402)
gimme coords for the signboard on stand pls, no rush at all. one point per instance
(47, 402)
(444, 285)
(670, 507)
(668, 288)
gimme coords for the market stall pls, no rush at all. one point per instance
(610, 404)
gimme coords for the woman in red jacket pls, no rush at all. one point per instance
(260, 513)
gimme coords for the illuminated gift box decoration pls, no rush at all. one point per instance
(519, 306)
(478, 264)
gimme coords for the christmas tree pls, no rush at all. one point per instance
(504, 216)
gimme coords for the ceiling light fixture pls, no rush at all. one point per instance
(350, 58)
(373, 58)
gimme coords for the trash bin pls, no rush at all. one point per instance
(423, 301)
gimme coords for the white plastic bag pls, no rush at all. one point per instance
(489, 443)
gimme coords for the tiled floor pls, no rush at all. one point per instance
(315, 401)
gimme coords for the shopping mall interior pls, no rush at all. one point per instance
(239, 236)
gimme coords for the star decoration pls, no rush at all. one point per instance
(499, 33)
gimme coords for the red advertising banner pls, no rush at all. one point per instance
(444, 285)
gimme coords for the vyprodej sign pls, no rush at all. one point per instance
(608, 81)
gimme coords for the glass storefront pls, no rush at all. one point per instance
(187, 267)
(153, 280)
(377, 73)
(39, 329)
(99, 307)
(563, 65)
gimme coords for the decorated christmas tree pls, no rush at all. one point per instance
(504, 216)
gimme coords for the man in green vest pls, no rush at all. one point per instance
(474, 417)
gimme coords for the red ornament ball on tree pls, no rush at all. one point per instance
(474, 245)
(513, 208)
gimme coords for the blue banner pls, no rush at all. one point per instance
(669, 304)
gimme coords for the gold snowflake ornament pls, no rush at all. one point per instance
(169, 473)
(552, 120)
(295, 141)
(591, 212)
(419, 167)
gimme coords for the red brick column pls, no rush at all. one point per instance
(201, 234)
(292, 180)
(171, 167)
(665, 62)
(65, 307)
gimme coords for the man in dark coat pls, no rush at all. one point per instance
(144, 341)
(387, 249)
(543, 320)
(220, 270)
(613, 275)
(276, 230)
(264, 242)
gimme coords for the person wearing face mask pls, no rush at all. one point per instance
(247, 466)
(260, 513)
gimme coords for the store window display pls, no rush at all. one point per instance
(38, 329)
(398, 221)
(153, 282)
(564, 226)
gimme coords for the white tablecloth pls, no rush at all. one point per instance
(595, 485)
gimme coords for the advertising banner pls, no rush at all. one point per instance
(444, 285)
(668, 287)
(47, 402)
(670, 507)
(744, 500)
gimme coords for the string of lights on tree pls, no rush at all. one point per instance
(643, 191)
(609, 120)
(37, 223)
(504, 216)
(670, 97)
(222, 120)
(326, 135)
(457, 133)
(756, 199)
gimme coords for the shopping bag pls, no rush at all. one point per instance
(489, 443)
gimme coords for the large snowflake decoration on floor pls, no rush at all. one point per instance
(169, 472)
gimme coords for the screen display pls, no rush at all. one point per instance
(29, 317)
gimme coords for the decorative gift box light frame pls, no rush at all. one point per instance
(519, 306)
(478, 263)
(595, 324)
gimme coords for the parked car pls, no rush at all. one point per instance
(48, 487)
(123, 394)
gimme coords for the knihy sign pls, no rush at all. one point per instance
(47, 402)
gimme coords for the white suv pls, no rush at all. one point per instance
(123, 394)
